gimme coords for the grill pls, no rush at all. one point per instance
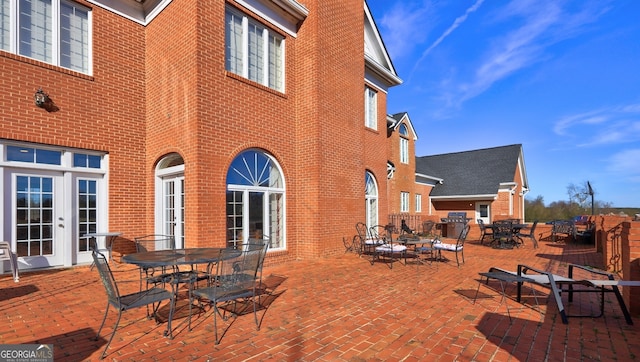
(455, 220)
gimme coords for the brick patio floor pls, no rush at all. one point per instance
(335, 309)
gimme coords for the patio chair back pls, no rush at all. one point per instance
(457, 248)
(122, 303)
(428, 228)
(485, 230)
(531, 234)
(7, 254)
(155, 242)
(503, 230)
(235, 279)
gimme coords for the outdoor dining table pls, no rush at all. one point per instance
(515, 229)
(418, 243)
(172, 259)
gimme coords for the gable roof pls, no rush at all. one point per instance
(395, 120)
(377, 59)
(473, 174)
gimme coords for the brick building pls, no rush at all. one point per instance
(213, 121)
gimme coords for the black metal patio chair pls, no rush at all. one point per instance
(235, 283)
(486, 230)
(152, 296)
(457, 248)
(531, 234)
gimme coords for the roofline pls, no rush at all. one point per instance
(387, 57)
(381, 71)
(436, 179)
(465, 197)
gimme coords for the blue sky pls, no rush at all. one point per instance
(562, 78)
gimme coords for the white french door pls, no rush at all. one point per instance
(37, 230)
(173, 208)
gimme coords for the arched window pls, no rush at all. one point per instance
(255, 199)
(403, 130)
(371, 199)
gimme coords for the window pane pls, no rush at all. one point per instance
(36, 29)
(79, 160)
(4, 25)
(253, 168)
(48, 157)
(256, 53)
(275, 62)
(74, 38)
(95, 161)
(233, 43)
(21, 154)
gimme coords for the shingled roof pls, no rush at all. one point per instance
(472, 173)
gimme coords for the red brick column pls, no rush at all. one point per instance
(631, 264)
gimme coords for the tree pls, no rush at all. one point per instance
(582, 195)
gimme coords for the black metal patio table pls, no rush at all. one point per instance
(173, 259)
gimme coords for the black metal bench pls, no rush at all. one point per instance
(565, 228)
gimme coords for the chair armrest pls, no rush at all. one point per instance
(590, 270)
(522, 269)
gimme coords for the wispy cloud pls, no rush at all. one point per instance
(456, 23)
(606, 126)
(626, 163)
(527, 30)
(399, 27)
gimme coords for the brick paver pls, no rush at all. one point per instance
(338, 309)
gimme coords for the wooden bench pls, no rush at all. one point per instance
(563, 227)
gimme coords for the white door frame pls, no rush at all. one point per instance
(165, 176)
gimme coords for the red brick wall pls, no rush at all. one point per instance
(105, 111)
(163, 88)
(404, 178)
(631, 263)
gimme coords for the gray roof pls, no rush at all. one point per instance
(477, 172)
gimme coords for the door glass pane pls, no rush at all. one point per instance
(256, 214)
(234, 218)
(87, 212)
(276, 222)
(34, 222)
(169, 207)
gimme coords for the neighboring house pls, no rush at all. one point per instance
(213, 121)
(487, 184)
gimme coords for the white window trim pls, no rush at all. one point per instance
(404, 150)
(266, 34)
(14, 40)
(370, 115)
(418, 203)
(404, 201)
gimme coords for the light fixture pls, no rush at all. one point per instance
(41, 98)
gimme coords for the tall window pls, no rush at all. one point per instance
(255, 200)
(404, 144)
(253, 51)
(370, 108)
(404, 201)
(371, 199)
(418, 203)
(52, 31)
